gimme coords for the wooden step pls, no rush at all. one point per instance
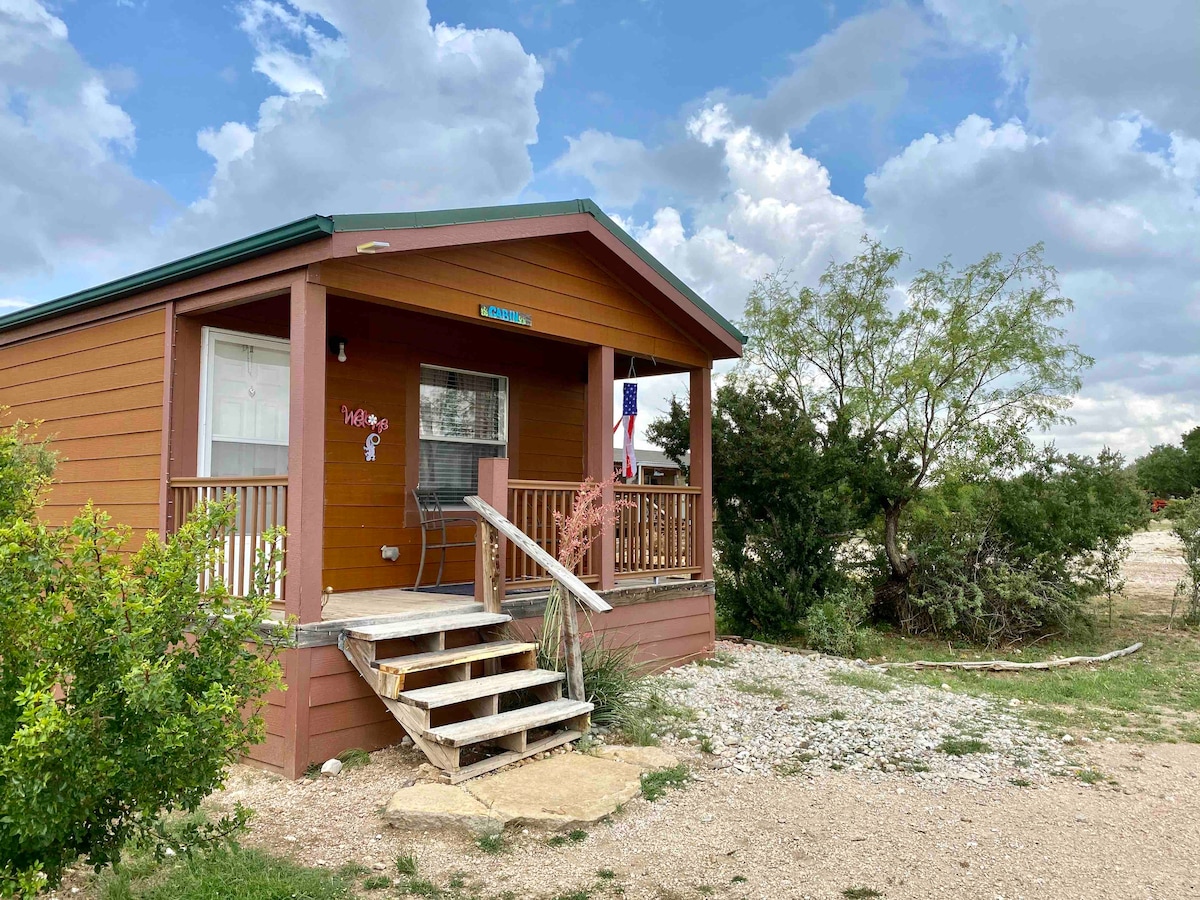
(491, 763)
(427, 625)
(486, 728)
(489, 686)
(437, 659)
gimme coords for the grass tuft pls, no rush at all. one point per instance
(406, 864)
(759, 689)
(655, 784)
(963, 746)
(860, 893)
(492, 843)
(863, 680)
(354, 758)
(376, 882)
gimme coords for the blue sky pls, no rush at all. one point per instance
(729, 138)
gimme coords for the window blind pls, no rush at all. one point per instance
(463, 419)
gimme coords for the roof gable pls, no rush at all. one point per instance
(317, 228)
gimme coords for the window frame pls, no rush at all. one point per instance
(209, 336)
(504, 433)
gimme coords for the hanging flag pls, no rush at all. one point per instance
(628, 415)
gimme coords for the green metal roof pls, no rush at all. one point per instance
(314, 227)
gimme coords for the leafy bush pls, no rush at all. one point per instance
(1186, 527)
(124, 687)
(834, 625)
(1007, 559)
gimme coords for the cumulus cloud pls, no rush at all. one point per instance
(66, 189)
(1104, 169)
(371, 113)
(864, 59)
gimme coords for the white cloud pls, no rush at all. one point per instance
(372, 113)
(559, 56)
(65, 185)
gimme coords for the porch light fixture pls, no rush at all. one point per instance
(373, 246)
(337, 346)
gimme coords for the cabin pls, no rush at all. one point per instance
(359, 378)
(653, 467)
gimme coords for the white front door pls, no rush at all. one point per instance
(243, 405)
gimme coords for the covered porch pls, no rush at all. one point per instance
(324, 407)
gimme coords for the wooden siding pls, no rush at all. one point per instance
(369, 505)
(667, 632)
(567, 294)
(99, 392)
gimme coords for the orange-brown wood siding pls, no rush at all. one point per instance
(369, 505)
(567, 293)
(99, 392)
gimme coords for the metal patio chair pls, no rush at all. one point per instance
(434, 522)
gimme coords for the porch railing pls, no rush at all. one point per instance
(657, 530)
(260, 504)
(532, 507)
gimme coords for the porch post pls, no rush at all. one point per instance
(700, 468)
(493, 490)
(600, 454)
(306, 453)
(305, 506)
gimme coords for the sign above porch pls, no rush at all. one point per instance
(511, 316)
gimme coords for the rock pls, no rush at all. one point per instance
(332, 767)
(432, 806)
(559, 792)
(645, 758)
(1067, 739)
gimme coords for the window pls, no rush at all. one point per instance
(464, 418)
(243, 405)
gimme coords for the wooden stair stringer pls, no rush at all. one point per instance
(514, 744)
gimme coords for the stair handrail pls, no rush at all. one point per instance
(556, 570)
(572, 587)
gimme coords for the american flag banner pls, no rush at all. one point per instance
(628, 415)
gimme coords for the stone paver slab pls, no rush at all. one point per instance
(423, 807)
(565, 791)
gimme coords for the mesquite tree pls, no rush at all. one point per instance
(948, 372)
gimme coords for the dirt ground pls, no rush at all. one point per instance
(1152, 570)
(795, 837)
(1133, 835)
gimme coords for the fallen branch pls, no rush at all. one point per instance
(1003, 665)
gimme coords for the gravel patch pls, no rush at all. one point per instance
(763, 711)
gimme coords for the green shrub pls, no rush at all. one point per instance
(834, 625)
(1008, 559)
(124, 687)
(1186, 527)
